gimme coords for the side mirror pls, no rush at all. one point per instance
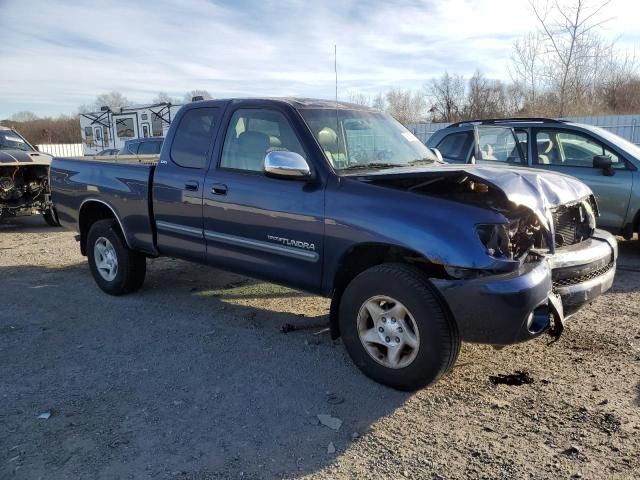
(604, 163)
(437, 153)
(281, 164)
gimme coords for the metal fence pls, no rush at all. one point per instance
(626, 126)
(62, 149)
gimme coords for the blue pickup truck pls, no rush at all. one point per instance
(342, 201)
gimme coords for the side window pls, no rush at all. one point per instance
(498, 144)
(571, 149)
(88, 136)
(156, 126)
(523, 139)
(193, 137)
(149, 148)
(124, 128)
(456, 146)
(251, 134)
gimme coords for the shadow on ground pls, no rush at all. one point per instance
(189, 378)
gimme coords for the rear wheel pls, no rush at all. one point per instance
(396, 328)
(116, 268)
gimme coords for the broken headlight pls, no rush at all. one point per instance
(495, 238)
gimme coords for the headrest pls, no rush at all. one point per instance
(544, 146)
(327, 137)
(253, 141)
(274, 141)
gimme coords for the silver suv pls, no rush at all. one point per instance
(607, 163)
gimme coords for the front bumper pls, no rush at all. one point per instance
(517, 306)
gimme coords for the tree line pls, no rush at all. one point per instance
(562, 68)
(66, 128)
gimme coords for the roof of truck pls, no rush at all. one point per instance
(302, 102)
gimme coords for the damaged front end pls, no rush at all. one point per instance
(547, 258)
(24, 190)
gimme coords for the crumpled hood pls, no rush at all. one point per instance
(20, 157)
(538, 190)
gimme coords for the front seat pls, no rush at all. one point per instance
(251, 150)
(544, 149)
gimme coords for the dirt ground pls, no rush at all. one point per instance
(192, 378)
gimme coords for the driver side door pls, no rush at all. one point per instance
(266, 227)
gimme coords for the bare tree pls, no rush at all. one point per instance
(447, 97)
(526, 66)
(164, 97)
(485, 98)
(379, 102)
(575, 49)
(114, 100)
(24, 116)
(406, 106)
(197, 93)
(359, 98)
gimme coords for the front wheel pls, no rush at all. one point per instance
(396, 328)
(51, 217)
(116, 268)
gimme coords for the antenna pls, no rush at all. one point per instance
(335, 68)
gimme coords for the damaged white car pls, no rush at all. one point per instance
(24, 179)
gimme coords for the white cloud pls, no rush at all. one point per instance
(58, 55)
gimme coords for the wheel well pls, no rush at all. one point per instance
(90, 213)
(363, 257)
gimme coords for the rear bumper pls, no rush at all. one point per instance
(516, 307)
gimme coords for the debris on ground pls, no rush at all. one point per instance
(287, 327)
(331, 448)
(575, 453)
(44, 416)
(334, 399)
(513, 379)
(333, 423)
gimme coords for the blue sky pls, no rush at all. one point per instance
(57, 55)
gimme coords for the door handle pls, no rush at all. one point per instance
(219, 189)
(191, 186)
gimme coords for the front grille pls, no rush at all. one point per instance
(565, 221)
(566, 282)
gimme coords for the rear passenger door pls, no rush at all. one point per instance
(571, 152)
(178, 184)
(267, 227)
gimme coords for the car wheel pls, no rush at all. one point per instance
(115, 267)
(51, 217)
(396, 328)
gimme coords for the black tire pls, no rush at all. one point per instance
(51, 217)
(439, 341)
(132, 265)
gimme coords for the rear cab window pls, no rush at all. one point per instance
(191, 142)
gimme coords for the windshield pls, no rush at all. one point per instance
(10, 140)
(356, 139)
(617, 140)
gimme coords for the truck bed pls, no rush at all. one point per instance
(124, 185)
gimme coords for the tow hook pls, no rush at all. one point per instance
(557, 317)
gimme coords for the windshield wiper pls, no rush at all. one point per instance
(423, 160)
(371, 166)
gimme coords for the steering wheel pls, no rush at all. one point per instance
(359, 154)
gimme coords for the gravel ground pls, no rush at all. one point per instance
(192, 378)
